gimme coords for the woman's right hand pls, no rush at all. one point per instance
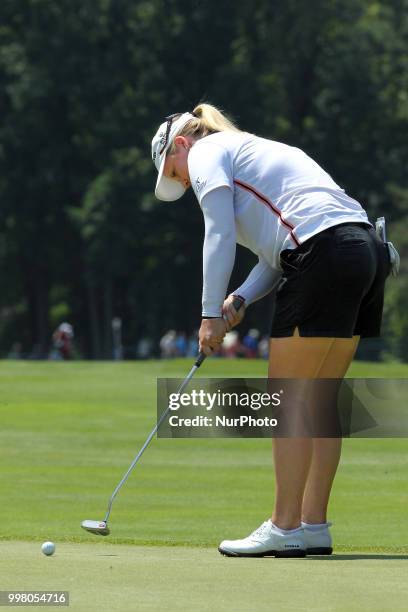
(232, 317)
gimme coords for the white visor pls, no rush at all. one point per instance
(167, 189)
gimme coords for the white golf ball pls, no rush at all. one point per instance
(48, 548)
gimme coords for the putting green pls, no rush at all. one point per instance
(101, 576)
(68, 433)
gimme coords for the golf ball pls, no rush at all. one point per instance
(48, 548)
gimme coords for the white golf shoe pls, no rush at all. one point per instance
(266, 541)
(317, 539)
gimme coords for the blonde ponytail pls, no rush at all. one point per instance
(213, 119)
(207, 120)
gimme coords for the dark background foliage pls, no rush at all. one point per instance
(83, 87)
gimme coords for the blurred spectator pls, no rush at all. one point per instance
(15, 351)
(62, 342)
(263, 347)
(168, 345)
(117, 338)
(192, 344)
(144, 348)
(250, 344)
(181, 344)
(231, 345)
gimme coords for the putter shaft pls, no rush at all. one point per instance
(237, 303)
(185, 382)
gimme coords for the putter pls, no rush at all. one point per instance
(101, 527)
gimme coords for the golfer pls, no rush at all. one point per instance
(316, 246)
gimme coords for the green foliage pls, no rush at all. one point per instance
(83, 87)
(396, 307)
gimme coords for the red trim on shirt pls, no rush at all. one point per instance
(262, 198)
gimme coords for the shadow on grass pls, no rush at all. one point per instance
(357, 557)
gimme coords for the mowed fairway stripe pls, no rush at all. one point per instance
(70, 430)
(118, 577)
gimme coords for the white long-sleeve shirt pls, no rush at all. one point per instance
(264, 195)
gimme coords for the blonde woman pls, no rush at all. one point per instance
(316, 245)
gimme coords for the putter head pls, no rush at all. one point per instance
(96, 527)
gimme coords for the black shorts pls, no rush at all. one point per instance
(333, 284)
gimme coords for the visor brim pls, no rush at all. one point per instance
(167, 190)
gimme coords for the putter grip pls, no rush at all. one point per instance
(237, 303)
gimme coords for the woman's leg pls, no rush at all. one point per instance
(326, 451)
(300, 357)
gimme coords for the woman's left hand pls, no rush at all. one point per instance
(211, 334)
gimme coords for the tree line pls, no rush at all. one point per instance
(83, 88)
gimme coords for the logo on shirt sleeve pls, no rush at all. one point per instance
(199, 184)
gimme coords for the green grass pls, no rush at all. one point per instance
(70, 430)
(102, 577)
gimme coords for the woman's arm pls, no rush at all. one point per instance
(260, 281)
(219, 248)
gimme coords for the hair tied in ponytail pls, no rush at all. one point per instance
(208, 119)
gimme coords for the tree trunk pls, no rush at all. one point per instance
(108, 315)
(42, 332)
(36, 290)
(93, 321)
